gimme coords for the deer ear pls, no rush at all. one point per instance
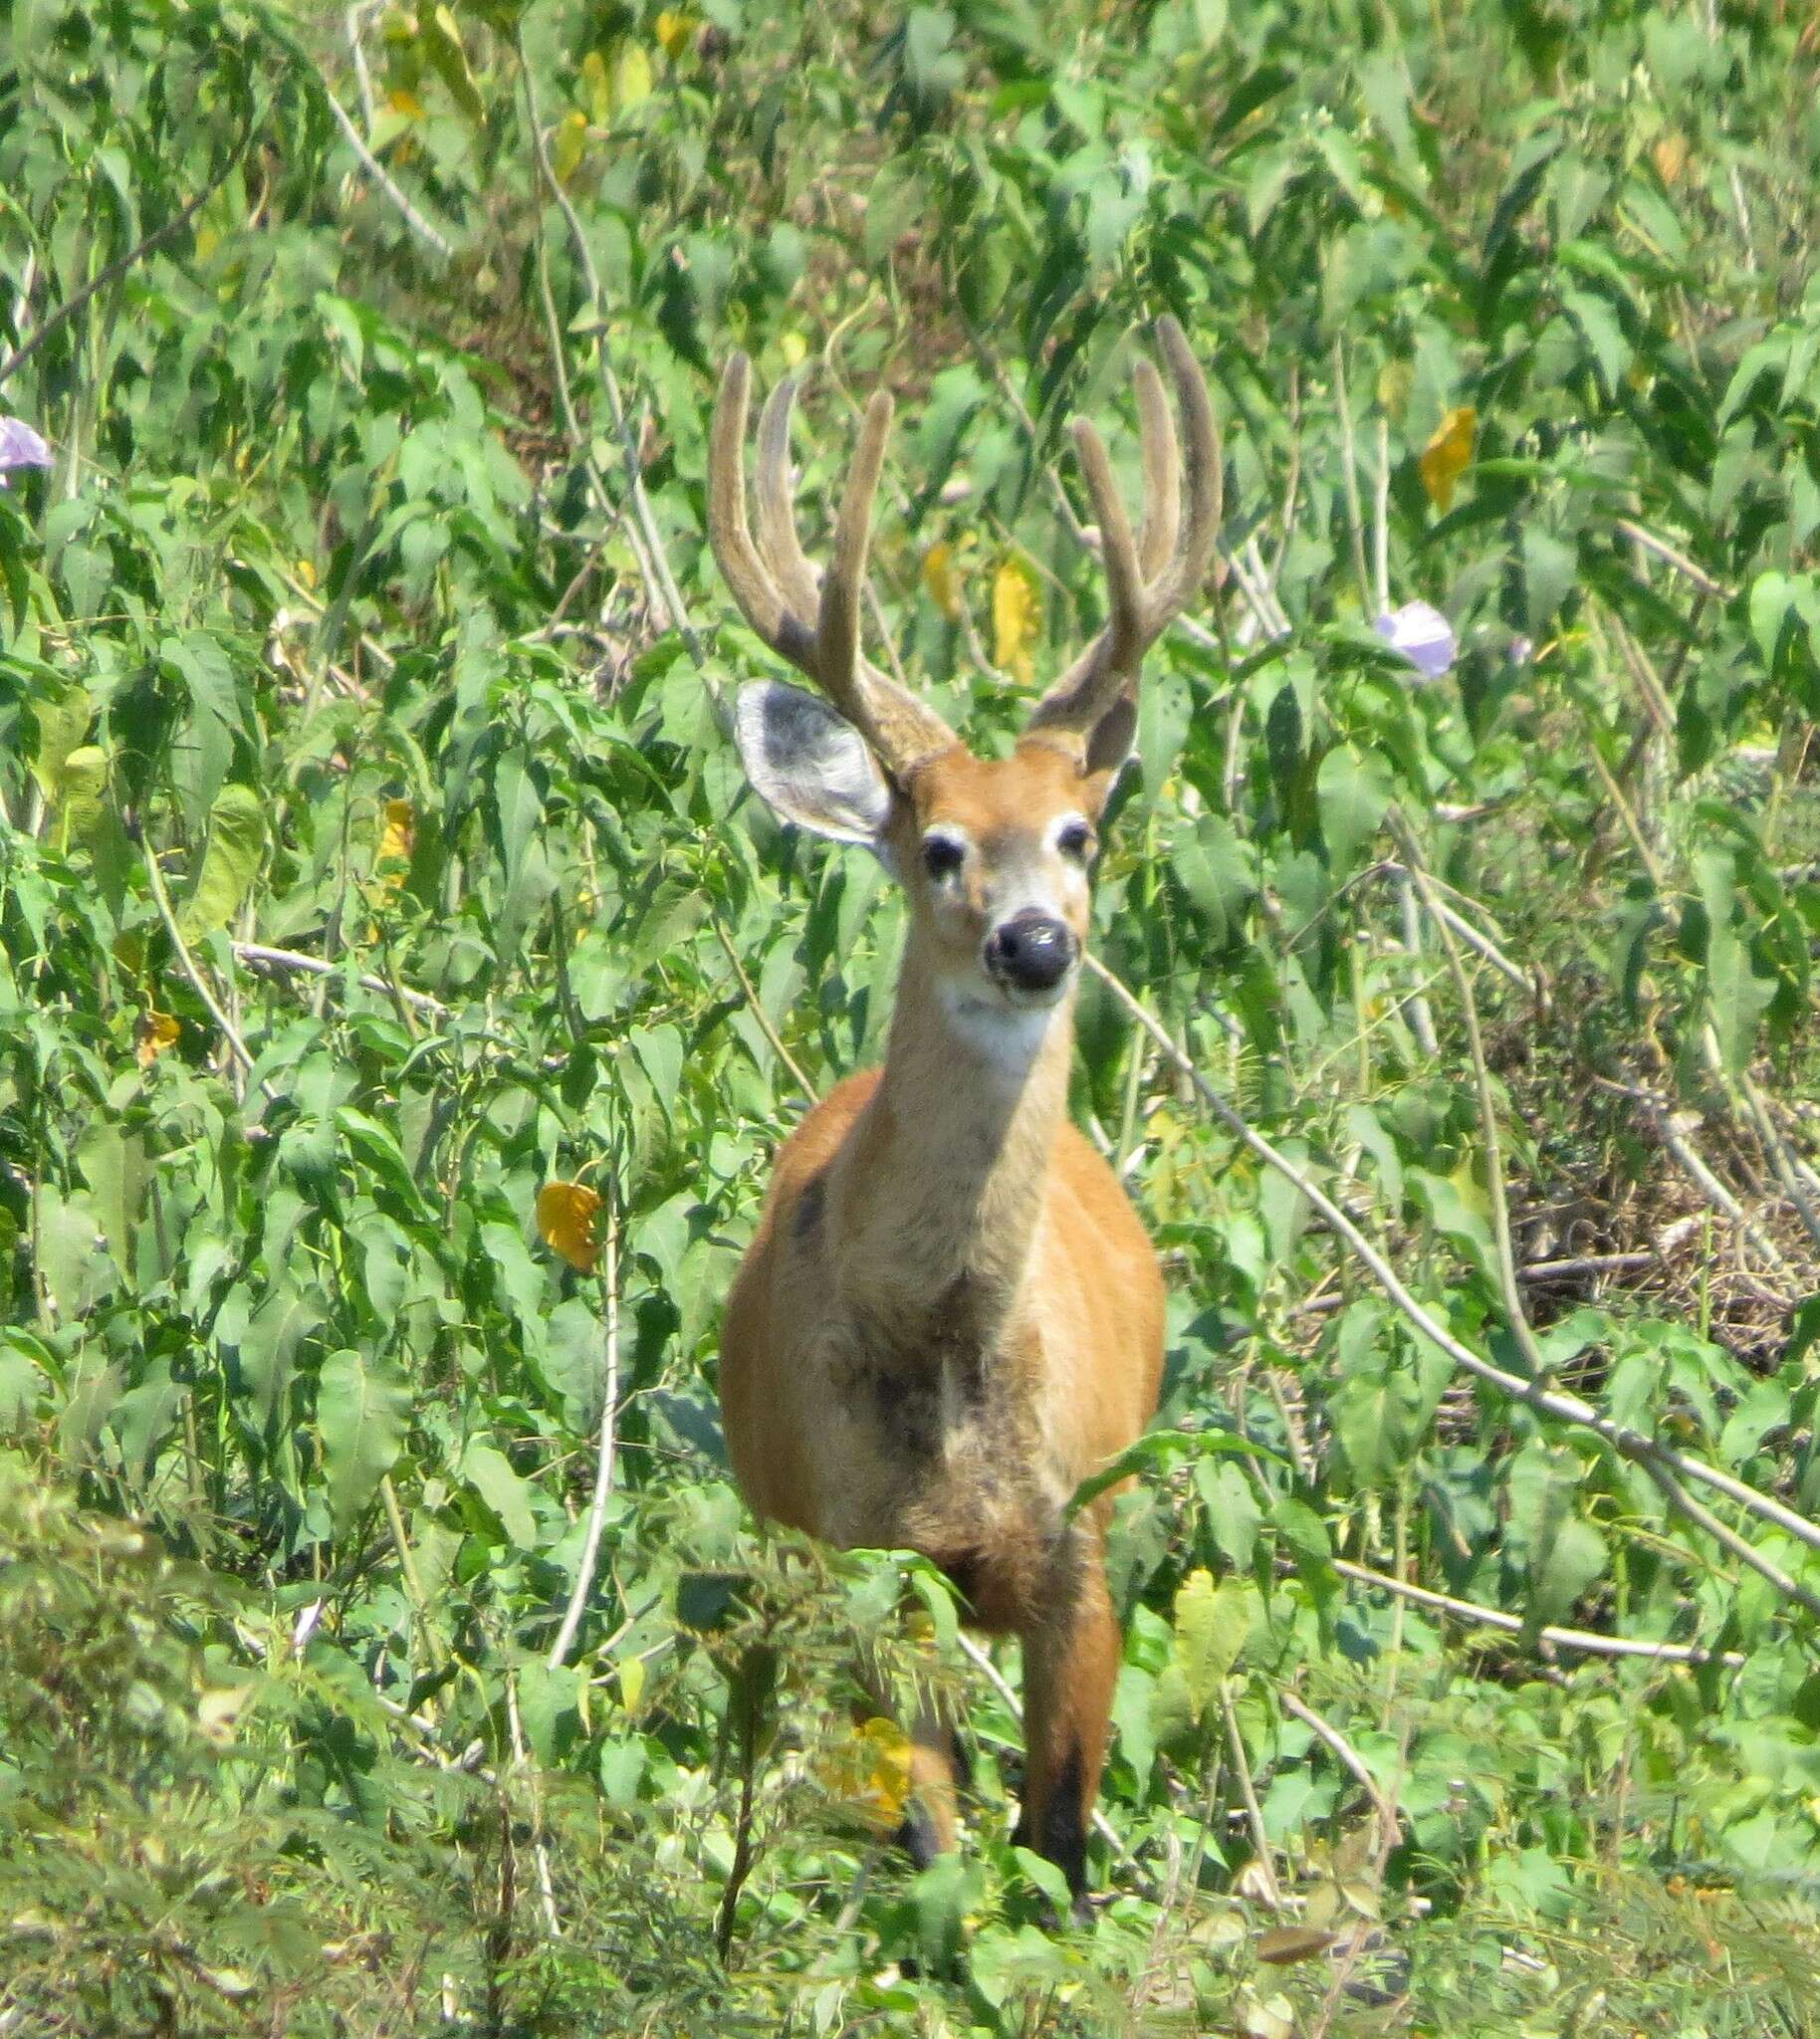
(1109, 747)
(809, 763)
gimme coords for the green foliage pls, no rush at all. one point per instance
(371, 856)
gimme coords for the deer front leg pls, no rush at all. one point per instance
(931, 1818)
(931, 1824)
(1070, 1664)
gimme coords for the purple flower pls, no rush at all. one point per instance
(20, 446)
(1421, 634)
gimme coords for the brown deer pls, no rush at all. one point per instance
(950, 1315)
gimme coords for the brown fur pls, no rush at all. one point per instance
(951, 1314)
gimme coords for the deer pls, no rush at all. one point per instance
(950, 1313)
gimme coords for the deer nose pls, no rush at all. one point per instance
(1031, 951)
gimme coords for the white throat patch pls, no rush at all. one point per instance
(1007, 1038)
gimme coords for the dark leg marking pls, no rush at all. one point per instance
(1064, 1831)
(916, 1836)
(1063, 1835)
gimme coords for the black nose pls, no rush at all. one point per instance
(1032, 950)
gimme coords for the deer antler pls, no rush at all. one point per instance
(815, 629)
(1148, 581)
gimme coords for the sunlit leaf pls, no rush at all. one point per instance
(869, 1771)
(440, 38)
(1016, 617)
(397, 838)
(673, 30)
(942, 581)
(1448, 455)
(1670, 155)
(631, 73)
(1210, 1627)
(362, 1406)
(567, 146)
(566, 1218)
(597, 88)
(156, 1031)
(230, 863)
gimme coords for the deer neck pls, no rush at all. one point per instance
(952, 1162)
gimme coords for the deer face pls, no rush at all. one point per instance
(996, 853)
(997, 856)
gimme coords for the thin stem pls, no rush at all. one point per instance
(1514, 1309)
(1341, 1748)
(188, 964)
(664, 581)
(292, 961)
(414, 1582)
(1349, 470)
(603, 1459)
(119, 266)
(1380, 518)
(1588, 1642)
(377, 171)
(759, 1013)
(1253, 1813)
(1665, 1466)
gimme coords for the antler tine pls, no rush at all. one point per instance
(760, 600)
(774, 585)
(1205, 475)
(1162, 471)
(778, 540)
(1125, 631)
(837, 627)
(1148, 585)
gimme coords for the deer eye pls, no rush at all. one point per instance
(942, 855)
(1075, 841)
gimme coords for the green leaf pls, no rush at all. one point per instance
(1739, 992)
(230, 863)
(492, 1475)
(1159, 1449)
(1353, 794)
(1575, 1555)
(361, 1409)
(1210, 1627)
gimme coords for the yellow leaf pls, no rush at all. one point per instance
(397, 838)
(631, 1683)
(1670, 156)
(404, 102)
(566, 1218)
(794, 349)
(306, 573)
(219, 1708)
(440, 36)
(1448, 455)
(673, 32)
(870, 1773)
(1394, 381)
(595, 89)
(1016, 617)
(943, 582)
(157, 1031)
(567, 146)
(632, 77)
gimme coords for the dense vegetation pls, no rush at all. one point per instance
(399, 999)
